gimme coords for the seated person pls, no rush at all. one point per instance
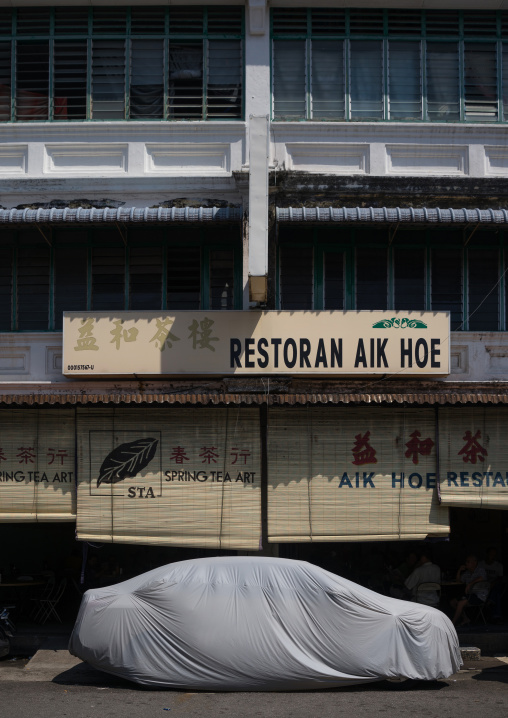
(398, 575)
(469, 573)
(425, 572)
(494, 570)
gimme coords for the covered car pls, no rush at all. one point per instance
(258, 624)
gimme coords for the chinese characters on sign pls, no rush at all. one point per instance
(200, 335)
(28, 455)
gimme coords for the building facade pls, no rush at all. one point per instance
(183, 174)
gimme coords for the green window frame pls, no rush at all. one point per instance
(157, 63)
(472, 286)
(352, 64)
(73, 265)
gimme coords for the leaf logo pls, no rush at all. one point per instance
(127, 460)
(397, 323)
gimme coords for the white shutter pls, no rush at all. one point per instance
(37, 473)
(194, 477)
(317, 493)
(474, 457)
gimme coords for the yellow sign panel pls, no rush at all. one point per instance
(244, 343)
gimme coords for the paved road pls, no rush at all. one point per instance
(54, 684)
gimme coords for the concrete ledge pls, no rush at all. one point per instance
(470, 653)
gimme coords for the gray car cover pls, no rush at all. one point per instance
(257, 624)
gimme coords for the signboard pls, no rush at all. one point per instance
(244, 343)
(185, 477)
(37, 465)
(353, 474)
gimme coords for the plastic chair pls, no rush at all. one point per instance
(46, 592)
(423, 591)
(48, 605)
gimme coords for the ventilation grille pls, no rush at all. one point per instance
(289, 22)
(110, 20)
(442, 22)
(404, 22)
(186, 20)
(69, 20)
(33, 21)
(504, 24)
(226, 21)
(481, 22)
(366, 22)
(5, 21)
(328, 22)
(148, 20)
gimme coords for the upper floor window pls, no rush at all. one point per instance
(98, 269)
(406, 65)
(416, 269)
(121, 63)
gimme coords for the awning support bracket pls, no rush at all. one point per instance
(48, 238)
(468, 233)
(122, 229)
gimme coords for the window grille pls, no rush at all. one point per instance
(95, 270)
(121, 63)
(403, 65)
(418, 270)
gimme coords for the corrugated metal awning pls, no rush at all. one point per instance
(80, 215)
(392, 215)
(287, 399)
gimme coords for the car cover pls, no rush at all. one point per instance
(253, 623)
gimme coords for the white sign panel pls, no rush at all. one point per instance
(245, 343)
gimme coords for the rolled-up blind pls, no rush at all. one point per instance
(37, 474)
(182, 477)
(352, 474)
(474, 457)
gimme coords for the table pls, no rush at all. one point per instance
(18, 592)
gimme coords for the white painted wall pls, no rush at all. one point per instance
(35, 357)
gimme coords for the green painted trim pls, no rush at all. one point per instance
(165, 59)
(205, 276)
(502, 283)
(351, 273)
(127, 277)
(384, 60)
(423, 80)
(164, 288)
(89, 259)
(51, 83)
(318, 257)
(13, 80)
(237, 278)
(465, 291)
(390, 278)
(51, 288)
(89, 105)
(428, 273)
(499, 75)
(14, 306)
(462, 89)
(347, 78)
(204, 91)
